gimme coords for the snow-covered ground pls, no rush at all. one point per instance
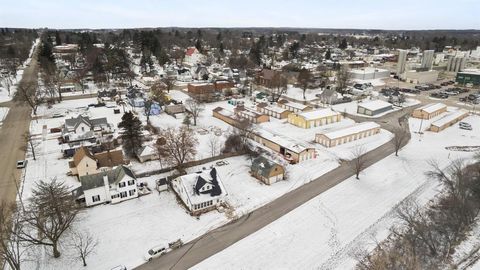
(3, 114)
(297, 93)
(326, 231)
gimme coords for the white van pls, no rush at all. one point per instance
(155, 252)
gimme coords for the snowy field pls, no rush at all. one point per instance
(326, 231)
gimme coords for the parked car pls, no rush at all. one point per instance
(465, 127)
(21, 164)
(155, 252)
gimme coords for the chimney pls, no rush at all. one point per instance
(106, 186)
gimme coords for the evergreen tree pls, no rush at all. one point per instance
(198, 45)
(328, 55)
(58, 40)
(131, 133)
(343, 44)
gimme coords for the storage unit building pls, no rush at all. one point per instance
(448, 120)
(314, 118)
(372, 108)
(429, 111)
(347, 134)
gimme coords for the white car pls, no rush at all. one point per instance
(21, 164)
(155, 252)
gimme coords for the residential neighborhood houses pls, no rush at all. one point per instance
(164, 138)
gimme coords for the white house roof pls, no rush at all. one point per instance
(295, 105)
(433, 107)
(375, 105)
(345, 131)
(449, 117)
(275, 109)
(189, 183)
(312, 115)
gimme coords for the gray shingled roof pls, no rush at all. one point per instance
(262, 166)
(72, 122)
(114, 176)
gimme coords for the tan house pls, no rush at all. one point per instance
(267, 171)
(273, 111)
(448, 120)
(86, 163)
(293, 106)
(347, 134)
(429, 111)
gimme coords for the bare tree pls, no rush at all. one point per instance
(194, 108)
(177, 146)
(31, 144)
(400, 138)
(84, 244)
(147, 107)
(342, 80)
(51, 212)
(303, 79)
(27, 93)
(12, 248)
(169, 83)
(359, 160)
(214, 145)
(7, 83)
(278, 86)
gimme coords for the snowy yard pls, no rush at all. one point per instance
(297, 93)
(324, 232)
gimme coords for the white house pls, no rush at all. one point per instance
(201, 191)
(112, 186)
(193, 57)
(147, 153)
(83, 127)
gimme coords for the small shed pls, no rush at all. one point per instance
(147, 153)
(266, 170)
(372, 108)
(161, 184)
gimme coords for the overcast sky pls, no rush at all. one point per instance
(371, 14)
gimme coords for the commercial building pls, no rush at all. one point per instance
(469, 76)
(421, 77)
(347, 134)
(427, 59)
(369, 73)
(251, 115)
(314, 118)
(448, 120)
(402, 61)
(429, 111)
(372, 108)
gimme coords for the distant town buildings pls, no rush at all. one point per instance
(427, 59)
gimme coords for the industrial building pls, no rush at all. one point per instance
(314, 118)
(427, 59)
(421, 77)
(456, 64)
(369, 73)
(448, 120)
(402, 61)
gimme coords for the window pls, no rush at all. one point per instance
(131, 182)
(123, 194)
(114, 196)
(121, 184)
(86, 164)
(131, 192)
(83, 128)
(96, 198)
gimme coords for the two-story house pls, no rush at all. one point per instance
(86, 163)
(112, 186)
(84, 128)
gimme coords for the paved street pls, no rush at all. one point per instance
(215, 241)
(11, 139)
